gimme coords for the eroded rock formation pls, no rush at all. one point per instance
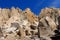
(48, 22)
(16, 24)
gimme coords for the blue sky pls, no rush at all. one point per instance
(34, 5)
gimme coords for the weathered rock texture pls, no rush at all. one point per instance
(16, 24)
(48, 22)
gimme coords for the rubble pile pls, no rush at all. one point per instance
(16, 24)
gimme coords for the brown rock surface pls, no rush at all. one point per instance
(16, 24)
(48, 22)
(31, 16)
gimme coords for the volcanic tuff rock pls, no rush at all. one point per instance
(16, 24)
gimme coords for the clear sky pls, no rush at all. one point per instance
(34, 5)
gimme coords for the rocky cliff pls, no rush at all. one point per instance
(16, 24)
